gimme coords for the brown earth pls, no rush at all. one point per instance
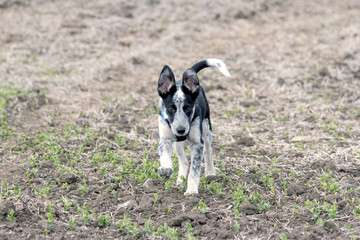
(286, 125)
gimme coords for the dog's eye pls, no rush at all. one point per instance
(186, 108)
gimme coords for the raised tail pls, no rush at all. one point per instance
(212, 62)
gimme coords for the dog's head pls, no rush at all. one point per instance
(179, 98)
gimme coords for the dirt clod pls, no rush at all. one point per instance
(248, 208)
(246, 141)
(296, 189)
(330, 226)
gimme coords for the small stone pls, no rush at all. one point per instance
(148, 184)
(128, 204)
(141, 220)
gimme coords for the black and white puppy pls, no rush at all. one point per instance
(185, 115)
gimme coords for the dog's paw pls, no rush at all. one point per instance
(165, 172)
(191, 193)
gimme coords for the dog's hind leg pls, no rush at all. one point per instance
(207, 137)
(183, 162)
(165, 149)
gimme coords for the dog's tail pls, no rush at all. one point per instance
(211, 62)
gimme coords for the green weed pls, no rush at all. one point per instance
(190, 234)
(50, 219)
(72, 223)
(169, 209)
(104, 221)
(126, 226)
(10, 217)
(170, 233)
(215, 188)
(202, 207)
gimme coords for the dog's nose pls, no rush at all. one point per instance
(180, 130)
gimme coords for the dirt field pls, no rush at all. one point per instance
(78, 123)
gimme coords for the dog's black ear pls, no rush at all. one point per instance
(191, 81)
(166, 81)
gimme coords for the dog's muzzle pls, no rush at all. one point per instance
(179, 130)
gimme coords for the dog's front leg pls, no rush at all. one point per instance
(197, 150)
(195, 168)
(165, 149)
(183, 163)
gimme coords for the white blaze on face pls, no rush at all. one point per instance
(180, 117)
(179, 95)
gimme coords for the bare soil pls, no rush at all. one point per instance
(286, 125)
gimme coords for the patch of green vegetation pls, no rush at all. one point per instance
(168, 232)
(231, 113)
(328, 183)
(87, 153)
(169, 209)
(126, 226)
(317, 209)
(156, 198)
(190, 234)
(215, 188)
(356, 210)
(10, 217)
(202, 207)
(164, 231)
(238, 195)
(283, 236)
(282, 118)
(82, 188)
(72, 223)
(147, 169)
(151, 110)
(48, 73)
(255, 198)
(9, 191)
(7, 93)
(104, 221)
(267, 180)
(50, 219)
(130, 100)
